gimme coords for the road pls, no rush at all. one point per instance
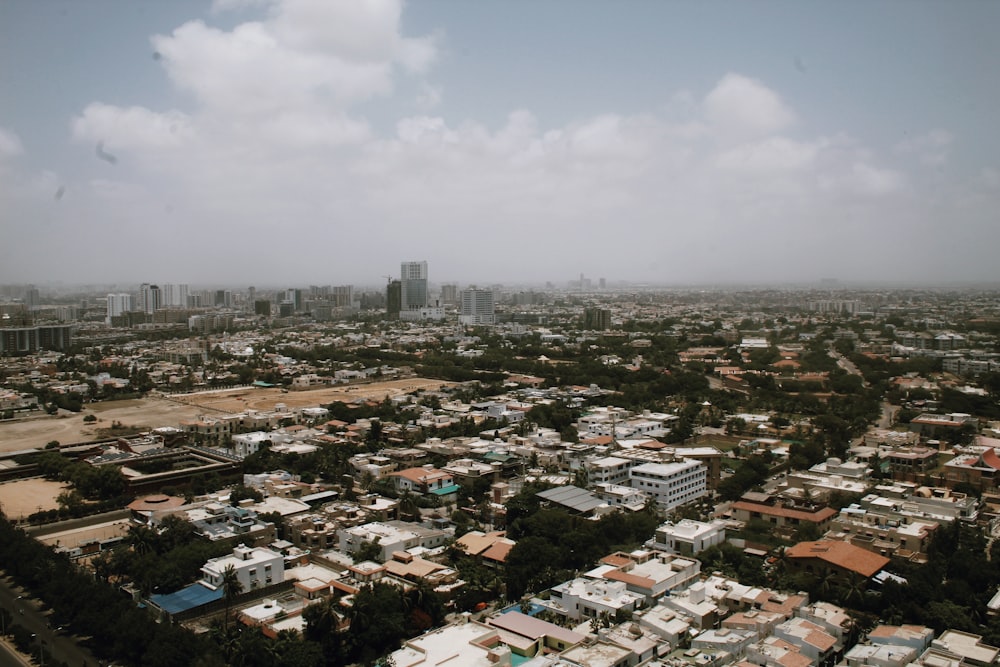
(61, 647)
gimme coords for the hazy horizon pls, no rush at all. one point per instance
(297, 142)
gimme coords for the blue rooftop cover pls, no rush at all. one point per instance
(186, 598)
(445, 490)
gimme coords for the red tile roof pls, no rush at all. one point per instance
(841, 554)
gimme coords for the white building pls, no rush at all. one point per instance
(118, 304)
(671, 484)
(477, 307)
(586, 598)
(688, 537)
(255, 567)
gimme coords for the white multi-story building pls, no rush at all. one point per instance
(254, 567)
(150, 298)
(586, 598)
(118, 304)
(174, 296)
(477, 307)
(671, 484)
(688, 537)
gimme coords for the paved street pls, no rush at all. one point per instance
(61, 647)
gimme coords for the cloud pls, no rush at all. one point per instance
(931, 149)
(740, 108)
(277, 160)
(10, 144)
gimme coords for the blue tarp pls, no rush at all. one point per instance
(186, 598)
(444, 491)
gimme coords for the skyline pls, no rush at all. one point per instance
(311, 142)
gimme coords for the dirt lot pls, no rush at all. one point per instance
(24, 497)
(156, 411)
(237, 400)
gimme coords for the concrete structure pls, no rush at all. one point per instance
(687, 537)
(477, 307)
(255, 567)
(413, 286)
(588, 598)
(670, 484)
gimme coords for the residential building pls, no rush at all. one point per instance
(477, 307)
(670, 484)
(118, 305)
(688, 537)
(581, 598)
(150, 298)
(254, 567)
(782, 512)
(846, 561)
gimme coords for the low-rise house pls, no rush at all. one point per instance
(734, 642)
(850, 564)
(819, 646)
(581, 598)
(782, 513)
(254, 567)
(528, 636)
(650, 574)
(687, 537)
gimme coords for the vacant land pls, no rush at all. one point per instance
(25, 497)
(237, 400)
(170, 411)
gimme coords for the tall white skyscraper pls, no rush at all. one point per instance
(413, 279)
(175, 295)
(118, 304)
(150, 298)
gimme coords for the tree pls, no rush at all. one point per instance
(231, 587)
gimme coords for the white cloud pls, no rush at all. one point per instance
(931, 148)
(740, 108)
(10, 144)
(277, 161)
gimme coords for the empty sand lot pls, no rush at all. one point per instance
(158, 411)
(24, 497)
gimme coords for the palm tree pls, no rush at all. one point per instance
(231, 587)
(142, 539)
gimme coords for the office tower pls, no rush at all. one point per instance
(449, 294)
(174, 296)
(596, 318)
(251, 298)
(342, 295)
(118, 305)
(413, 281)
(477, 307)
(393, 299)
(262, 307)
(32, 299)
(150, 298)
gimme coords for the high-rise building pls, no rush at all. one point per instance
(118, 304)
(597, 318)
(175, 295)
(393, 299)
(413, 282)
(150, 298)
(449, 295)
(477, 307)
(342, 296)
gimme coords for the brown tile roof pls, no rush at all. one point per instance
(841, 554)
(498, 551)
(818, 516)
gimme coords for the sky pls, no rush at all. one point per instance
(297, 142)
